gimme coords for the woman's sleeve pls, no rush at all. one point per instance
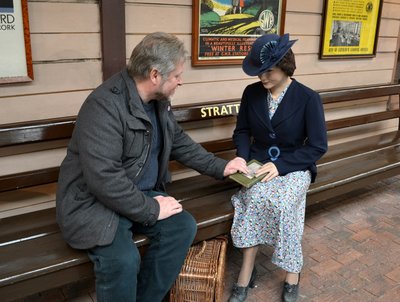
(315, 145)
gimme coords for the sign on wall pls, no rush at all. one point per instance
(15, 49)
(224, 30)
(350, 28)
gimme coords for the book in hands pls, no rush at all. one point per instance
(249, 179)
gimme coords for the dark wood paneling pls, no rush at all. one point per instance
(113, 43)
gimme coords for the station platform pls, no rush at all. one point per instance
(351, 247)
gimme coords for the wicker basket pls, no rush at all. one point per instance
(202, 275)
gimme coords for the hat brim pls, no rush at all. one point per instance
(252, 69)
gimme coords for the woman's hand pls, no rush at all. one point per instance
(271, 171)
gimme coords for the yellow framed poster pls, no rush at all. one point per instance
(350, 28)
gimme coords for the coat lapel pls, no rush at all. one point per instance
(288, 106)
(261, 109)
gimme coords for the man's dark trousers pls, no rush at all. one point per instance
(121, 276)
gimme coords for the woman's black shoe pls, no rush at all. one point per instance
(290, 291)
(239, 293)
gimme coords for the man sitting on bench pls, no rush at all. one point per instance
(111, 183)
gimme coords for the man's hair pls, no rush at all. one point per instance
(288, 63)
(158, 50)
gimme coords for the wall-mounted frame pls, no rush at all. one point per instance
(224, 30)
(350, 28)
(15, 50)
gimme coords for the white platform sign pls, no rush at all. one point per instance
(15, 58)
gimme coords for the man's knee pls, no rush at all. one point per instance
(188, 224)
(180, 228)
(119, 263)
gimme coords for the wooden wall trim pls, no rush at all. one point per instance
(113, 43)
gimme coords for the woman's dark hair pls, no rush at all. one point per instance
(288, 63)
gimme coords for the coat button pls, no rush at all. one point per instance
(115, 90)
(272, 135)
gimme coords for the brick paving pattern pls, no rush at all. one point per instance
(351, 248)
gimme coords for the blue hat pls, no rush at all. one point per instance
(265, 53)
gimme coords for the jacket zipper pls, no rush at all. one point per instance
(145, 159)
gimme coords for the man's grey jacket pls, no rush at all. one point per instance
(106, 156)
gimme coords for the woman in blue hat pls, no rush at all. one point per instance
(281, 124)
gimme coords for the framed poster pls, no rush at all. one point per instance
(350, 28)
(15, 50)
(224, 30)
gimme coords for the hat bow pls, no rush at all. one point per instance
(271, 51)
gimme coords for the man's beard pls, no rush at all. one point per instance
(161, 96)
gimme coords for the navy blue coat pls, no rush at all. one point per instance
(297, 128)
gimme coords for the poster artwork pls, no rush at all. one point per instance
(228, 28)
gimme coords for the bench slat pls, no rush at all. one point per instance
(52, 249)
(29, 178)
(34, 131)
(358, 93)
(362, 119)
(342, 176)
(364, 145)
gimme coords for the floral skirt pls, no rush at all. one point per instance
(273, 213)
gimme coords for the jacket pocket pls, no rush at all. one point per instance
(82, 193)
(135, 138)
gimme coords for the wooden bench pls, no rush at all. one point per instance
(35, 259)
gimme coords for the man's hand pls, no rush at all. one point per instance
(237, 164)
(168, 206)
(270, 169)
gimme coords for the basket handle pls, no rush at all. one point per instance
(203, 248)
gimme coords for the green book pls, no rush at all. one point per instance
(247, 180)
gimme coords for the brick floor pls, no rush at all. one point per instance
(351, 246)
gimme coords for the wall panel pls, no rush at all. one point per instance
(65, 46)
(66, 53)
(58, 17)
(298, 23)
(310, 6)
(41, 106)
(146, 18)
(56, 77)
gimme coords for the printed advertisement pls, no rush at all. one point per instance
(224, 30)
(350, 28)
(15, 53)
